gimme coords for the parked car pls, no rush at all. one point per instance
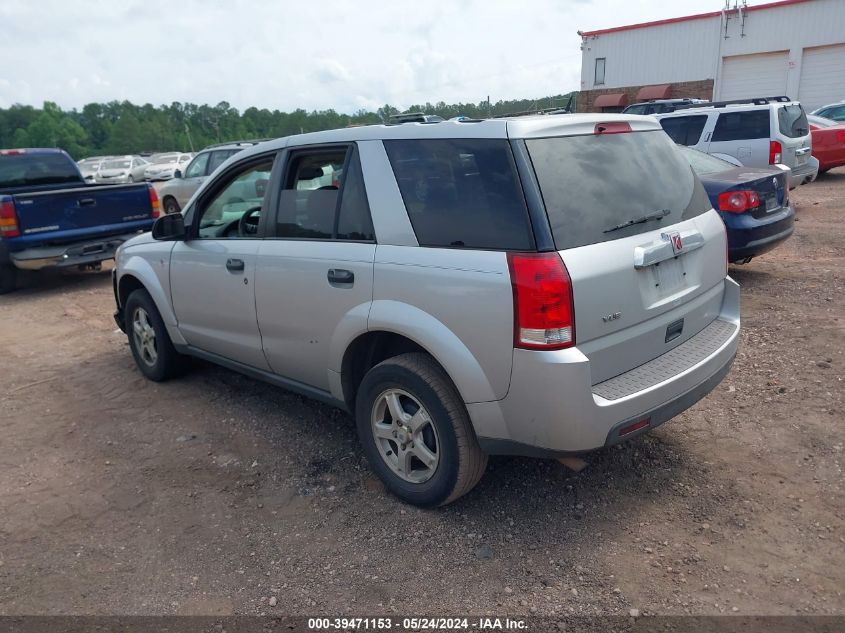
(757, 132)
(658, 106)
(89, 166)
(176, 192)
(752, 201)
(121, 169)
(828, 142)
(530, 286)
(164, 166)
(833, 111)
(49, 217)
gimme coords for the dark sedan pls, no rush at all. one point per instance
(753, 203)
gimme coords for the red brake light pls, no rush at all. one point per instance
(738, 201)
(614, 127)
(775, 152)
(8, 219)
(155, 205)
(542, 295)
(840, 136)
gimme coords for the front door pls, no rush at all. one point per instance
(315, 268)
(213, 273)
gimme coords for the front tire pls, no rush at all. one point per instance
(149, 341)
(416, 432)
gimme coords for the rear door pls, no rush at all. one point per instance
(315, 267)
(743, 134)
(639, 287)
(792, 131)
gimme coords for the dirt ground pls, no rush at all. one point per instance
(214, 493)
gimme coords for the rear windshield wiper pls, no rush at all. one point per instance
(657, 215)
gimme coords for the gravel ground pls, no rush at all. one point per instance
(215, 494)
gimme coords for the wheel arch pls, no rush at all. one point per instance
(137, 273)
(396, 328)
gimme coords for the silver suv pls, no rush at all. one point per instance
(757, 132)
(538, 286)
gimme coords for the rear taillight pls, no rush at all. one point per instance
(8, 218)
(738, 201)
(775, 153)
(542, 295)
(840, 136)
(155, 204)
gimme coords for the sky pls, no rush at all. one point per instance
(320, 54)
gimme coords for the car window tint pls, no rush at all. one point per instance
(308, 202)
(792, 121)
(684, 130)
(354, 221)
(218, 158)
(17, 170)
(637, 109)
(242, 194)
(592, 183)
(739, 126)
(462, 193)
(198, 166)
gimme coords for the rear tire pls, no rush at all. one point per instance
(8, 278)
(149, 341)
(416, 432)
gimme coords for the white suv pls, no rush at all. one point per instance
(756, 132)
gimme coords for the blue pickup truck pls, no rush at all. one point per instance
(49, 216)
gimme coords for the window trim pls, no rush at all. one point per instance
(196, 210)
(596, 81)
(288, 157)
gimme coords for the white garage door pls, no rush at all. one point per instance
(747, 76)
(822, 76)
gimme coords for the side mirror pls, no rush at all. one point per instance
(169, 228)
(177, 173)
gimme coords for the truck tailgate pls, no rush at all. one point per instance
(68, 215)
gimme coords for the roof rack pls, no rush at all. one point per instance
(533, 112)
(722, 104)
(252, 141)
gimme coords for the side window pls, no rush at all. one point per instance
(324, 198)
(599, 77)
(684, 130)
(218, 158)
(462, 193)
(233, 212)
(741, 126)
(198, 166)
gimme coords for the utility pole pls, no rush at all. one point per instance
(188, 132)
(489, 110)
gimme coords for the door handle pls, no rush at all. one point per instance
(235, 265)
(340, 276)
(86, 202)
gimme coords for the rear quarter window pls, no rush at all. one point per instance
(741, 126)
(461, 193)
(590, 184)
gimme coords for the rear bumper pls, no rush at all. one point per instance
(77, 254)
(552, 408)
(750, 237)
(805, 173)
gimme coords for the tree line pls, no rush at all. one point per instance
(121, 127)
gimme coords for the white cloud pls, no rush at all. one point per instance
(330, 54)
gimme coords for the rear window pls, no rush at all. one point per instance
(741, 126)
(591, 184)
(462, 193)
(704, 164)
(792, 121)
(684, 130)
(24, 170)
